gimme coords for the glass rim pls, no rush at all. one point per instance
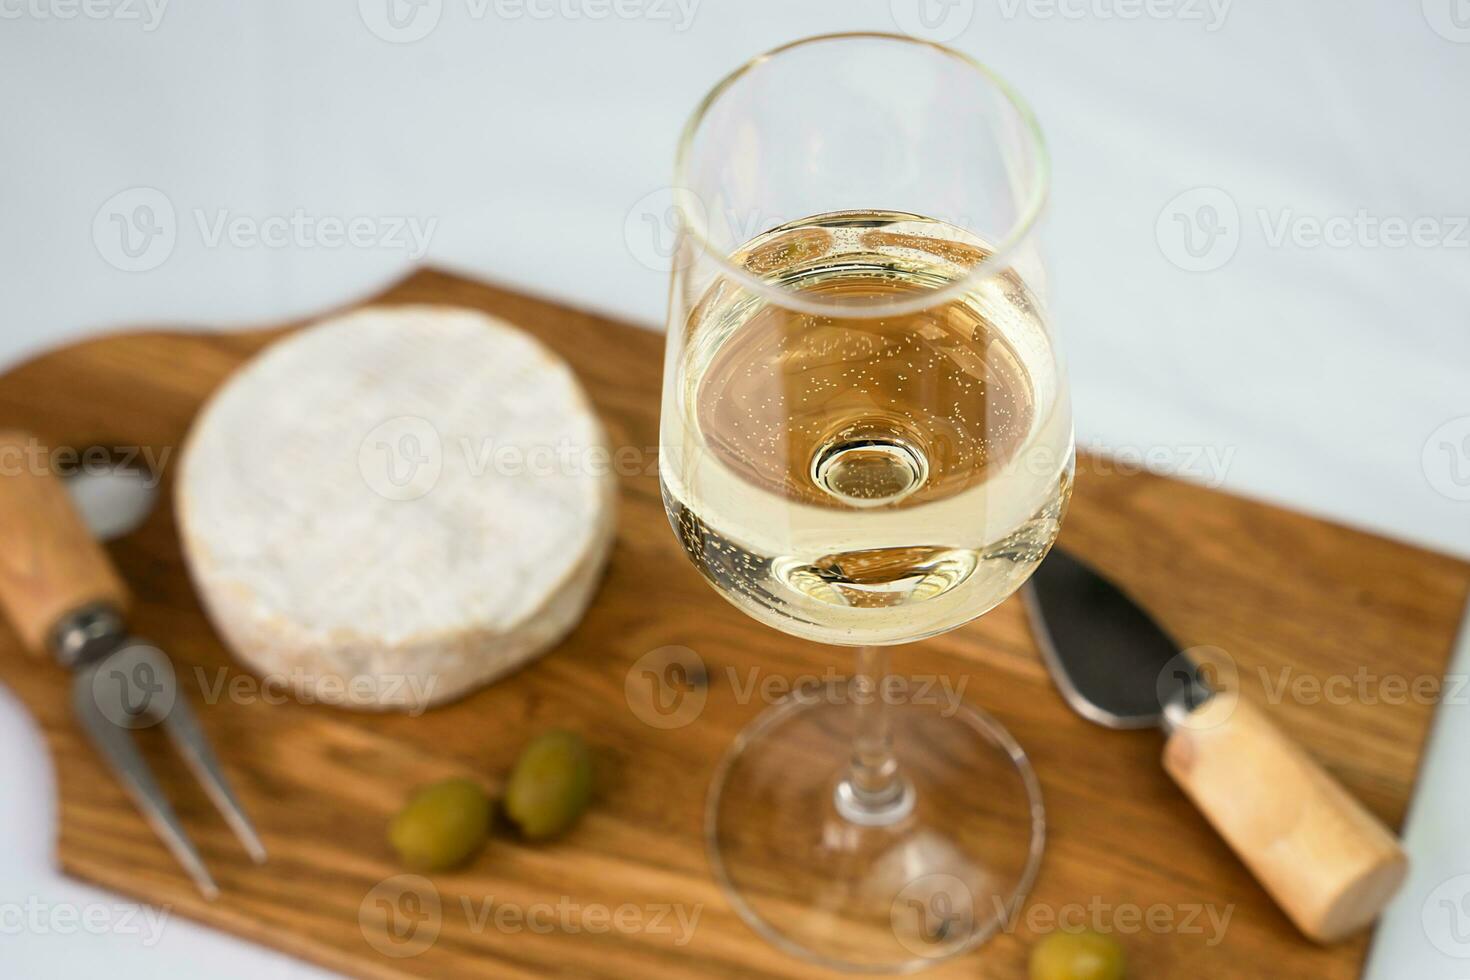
(693, 224)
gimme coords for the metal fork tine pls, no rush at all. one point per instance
(115, 743)
(183, 728)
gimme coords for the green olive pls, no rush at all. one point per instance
(442, 826)
(550, 785)
(1077, 956)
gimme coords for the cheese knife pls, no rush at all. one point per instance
(1329, 863)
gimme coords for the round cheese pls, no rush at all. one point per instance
(396, 506)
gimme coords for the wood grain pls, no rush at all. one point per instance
(1279, 591)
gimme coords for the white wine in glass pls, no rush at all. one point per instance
(913, 468)
(866, 440)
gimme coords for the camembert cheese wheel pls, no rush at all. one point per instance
(396, 506)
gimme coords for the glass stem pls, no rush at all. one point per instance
(874, 792)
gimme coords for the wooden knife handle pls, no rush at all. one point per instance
(50, 565)
(1329, 863)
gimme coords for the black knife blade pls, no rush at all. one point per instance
(1111, 661)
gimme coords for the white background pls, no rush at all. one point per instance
(528, 135)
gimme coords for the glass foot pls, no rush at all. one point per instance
(932, 877)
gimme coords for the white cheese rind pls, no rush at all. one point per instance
(394, 507)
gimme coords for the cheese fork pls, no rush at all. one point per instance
(64, 599)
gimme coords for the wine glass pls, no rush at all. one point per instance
(866, 440)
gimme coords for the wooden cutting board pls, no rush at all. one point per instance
(1291, 598)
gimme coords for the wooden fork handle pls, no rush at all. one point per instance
(50, 564)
